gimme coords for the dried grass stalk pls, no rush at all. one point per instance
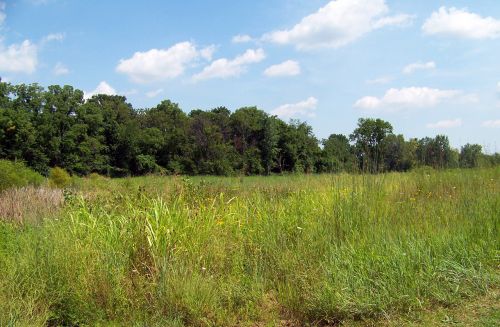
(29, 204)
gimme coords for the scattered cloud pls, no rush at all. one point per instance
(491, 123)
(53, 37)
(162, 64)
(498, 87)
(242, 38)
(380, 80)
(303, 108)
(396, 20)
(338, 23)
(18, 58)
(102, 88)
(461, 23)
(286, 68)
(154, 93)
(224, 68)
(60, 69)
(411, 68)
(412, 97)
(443, 124)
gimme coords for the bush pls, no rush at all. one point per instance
(59, 177)
(16, 174)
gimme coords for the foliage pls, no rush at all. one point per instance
(16, 174)
(59, 178)
(56, 127)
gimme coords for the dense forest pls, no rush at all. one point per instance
(57, 127)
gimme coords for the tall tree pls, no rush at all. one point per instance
(368, 139)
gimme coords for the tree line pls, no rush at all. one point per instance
(57, 127)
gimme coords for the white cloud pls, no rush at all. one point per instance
(53, 37)
(208, 52)
(241, 38)
(303, 108)
(411, 68)
(411, 97)
(337, 23)
(60, 69)
(154, 93)
(161, 64)
(224, 68)
(498, 87)
(102, 88)
(461, 23)
(286, 68)
(380, 80)
(491, 123)
(443, 124)
(19, 58)
(396, 20)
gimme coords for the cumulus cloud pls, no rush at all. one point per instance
(19, 58)
(411, 68)
(224, 68)
(154, 93)
(443, 124)
(303, 108)
(411, 97)
(338, 23)
(491, 123)
(242, 38)
(60, 69)
(286, 68)
(461, 23)
(162, 64)
(102, 88)
(208, 52)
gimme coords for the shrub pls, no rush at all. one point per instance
(16, 174)
(59, 177)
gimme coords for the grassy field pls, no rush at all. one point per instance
(389, 249)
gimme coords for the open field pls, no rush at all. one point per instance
(389, 249)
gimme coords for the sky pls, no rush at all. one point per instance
(428, 67)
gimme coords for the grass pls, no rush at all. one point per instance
(255, 251)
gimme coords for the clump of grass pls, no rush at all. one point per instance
(16, 174)
(29, 204)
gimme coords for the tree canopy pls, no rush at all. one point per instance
(57, 127)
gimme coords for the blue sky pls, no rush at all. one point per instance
(428, 67)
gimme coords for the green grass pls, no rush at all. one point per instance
(319, 249)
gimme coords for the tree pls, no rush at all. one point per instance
(368, 139)
(436, 152)
(470, 155)
(337, 154)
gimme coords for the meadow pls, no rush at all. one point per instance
(288, 250)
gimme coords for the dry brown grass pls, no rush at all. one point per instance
(29, 204)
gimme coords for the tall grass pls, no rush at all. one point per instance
(255, 251)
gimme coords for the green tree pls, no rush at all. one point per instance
(470, 155)
(337, 154)
(368, 139)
